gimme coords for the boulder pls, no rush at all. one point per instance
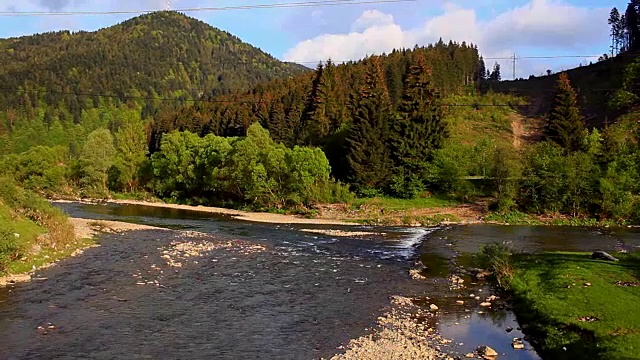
(517, 344)
(487, 352)
(602, 255)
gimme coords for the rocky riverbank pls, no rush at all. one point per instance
(401, 333)
(84, 231)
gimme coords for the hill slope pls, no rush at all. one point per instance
(595, 84)
(313, 108)
(159, 55)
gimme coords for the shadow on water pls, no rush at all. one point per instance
(301, 298)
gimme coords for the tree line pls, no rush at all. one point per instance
(625, 28)
(410, 123)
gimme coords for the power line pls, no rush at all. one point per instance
(200, 9)
(484, 58)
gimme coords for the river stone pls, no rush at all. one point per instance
(433, 307)
(12, 279)
(487, 352)
(602, 255)
(517, 344)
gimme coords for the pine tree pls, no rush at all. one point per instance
(418, 129)
(367, 152)
(495, 74)
(316, 122)
(632, 24)
(564, 124)
(481, 73)
(614, 21)
(277, 124)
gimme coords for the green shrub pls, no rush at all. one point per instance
(9, 249)
(496, 258)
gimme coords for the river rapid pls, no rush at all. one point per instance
(275, 291)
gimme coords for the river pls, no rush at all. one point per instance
(302, 297)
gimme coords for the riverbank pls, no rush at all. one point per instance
(399, 335)
(383, 212)
(39, 257)
(261, 217)
(577, 307)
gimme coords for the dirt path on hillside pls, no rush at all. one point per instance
(518, 130)
(526, 130)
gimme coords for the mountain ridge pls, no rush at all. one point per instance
(157, 55)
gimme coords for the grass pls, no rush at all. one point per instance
(470, 125)
(44, 233)
(551, 296)
(591, 83)
(394, 204)
(516, 217)
(393, 211)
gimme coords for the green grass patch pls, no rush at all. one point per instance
(43, 232)
(394, 204)
(512, 218)
(46, 256)
(469, 125)
(552, 296)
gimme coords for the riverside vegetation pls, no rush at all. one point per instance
(207, 119)
(572, 305)
(425, 119)
(32, 231)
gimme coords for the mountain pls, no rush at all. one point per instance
(159, 55)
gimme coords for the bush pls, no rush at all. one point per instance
(38, 210)
(9, 249)
(496, 258)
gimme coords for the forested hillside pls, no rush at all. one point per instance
(309, 108)
(163, 55)
(318, 109)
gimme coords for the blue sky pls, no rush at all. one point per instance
(499, 27)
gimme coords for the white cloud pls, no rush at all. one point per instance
(372, 18)
(542, 25)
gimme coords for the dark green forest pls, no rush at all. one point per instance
(164, 55)
(268, 135)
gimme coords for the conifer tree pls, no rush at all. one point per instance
(316, 121)
(616, 28)
(418, 128)
(495, 74)
(564, 124)
(632, 24)
(277, 123)
(481, 73)
(367, 153)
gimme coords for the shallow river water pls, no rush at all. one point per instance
(301, 298)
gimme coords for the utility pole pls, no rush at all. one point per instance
(167, 5)
(514, 65)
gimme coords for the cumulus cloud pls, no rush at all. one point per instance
(543, 25)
